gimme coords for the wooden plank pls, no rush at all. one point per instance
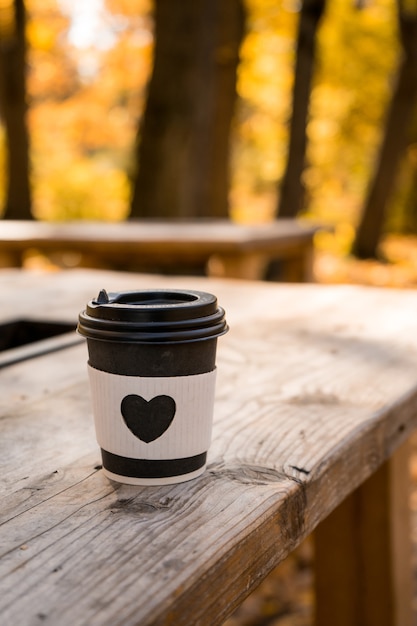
(161, 244)
(316, 389)
(32, 350)
(223, 233)
(60, 296)
(363, 569)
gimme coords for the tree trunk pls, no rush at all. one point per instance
(291, 198)
(13, 109)
(394, 143)
(183, 143)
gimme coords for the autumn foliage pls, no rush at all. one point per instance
(87, 94)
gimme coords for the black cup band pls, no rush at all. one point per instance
(146, 468)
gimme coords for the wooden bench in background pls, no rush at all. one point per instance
(282, 249)
(316, 399)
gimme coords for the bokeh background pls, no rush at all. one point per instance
(87, 70)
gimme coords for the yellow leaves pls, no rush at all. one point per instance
(83, 129)
(129, 7)
(267, 53)
(40, 35)
(339, 239)
(81, 189)
(79, 157)
(256, 85)
(265, 79)
(51, 74)
(332, 266)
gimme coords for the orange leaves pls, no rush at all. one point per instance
(84, 107)
(131, 8)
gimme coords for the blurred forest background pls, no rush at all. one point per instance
(320, 98)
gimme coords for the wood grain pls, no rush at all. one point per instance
(316, 390)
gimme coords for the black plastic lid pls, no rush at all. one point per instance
(153, 316)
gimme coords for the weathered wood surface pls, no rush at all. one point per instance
(221, 247)
(316, 390)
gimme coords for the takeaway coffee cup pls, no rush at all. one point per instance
(152, 376)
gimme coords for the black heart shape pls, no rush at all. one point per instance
(148, 420)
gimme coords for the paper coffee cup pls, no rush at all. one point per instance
(152, 376)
